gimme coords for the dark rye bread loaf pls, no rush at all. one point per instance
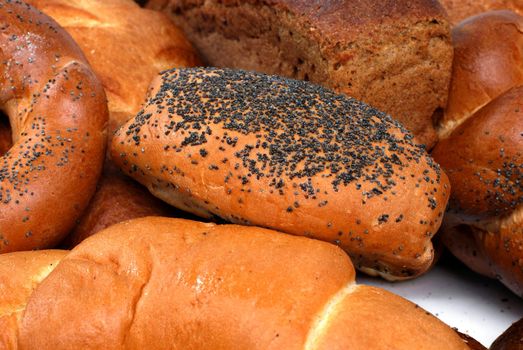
(289, 155)
(394, 55)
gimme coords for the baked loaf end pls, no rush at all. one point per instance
(289, 155)
(394, 55)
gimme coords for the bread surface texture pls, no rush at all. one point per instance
(481, 147)
(488, 61)
(394, 55)
(289, 155)
(20, 274)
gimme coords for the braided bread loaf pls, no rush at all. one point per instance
(160, 283)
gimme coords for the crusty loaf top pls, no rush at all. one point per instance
(335, 17)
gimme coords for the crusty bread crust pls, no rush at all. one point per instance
(394, 55)
(286, 154)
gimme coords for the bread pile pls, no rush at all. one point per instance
(301, 171)
(115, 37)
(394, 55)
(482, 147)
(237, 144)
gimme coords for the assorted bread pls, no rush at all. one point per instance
(57, 111)
(262, 151)
(160, 283)
(116, 38)
(483, 156)
(393, 55)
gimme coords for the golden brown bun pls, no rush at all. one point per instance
(127, 47)
(58, 112)
(484, 161)
(459, 10)
(488, 60)
(161, 283)
(286, 154)
(20, 273)
(371, 316)
(393, 55)
(511, 339)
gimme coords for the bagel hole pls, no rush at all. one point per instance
(437, 115)
(6, 140)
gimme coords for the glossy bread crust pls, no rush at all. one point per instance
(483, 158)
(488, 61)
(58, 112)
